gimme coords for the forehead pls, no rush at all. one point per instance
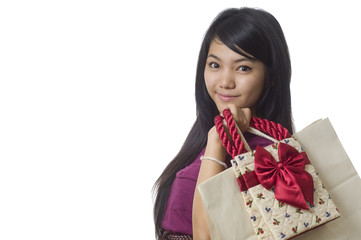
(223, 52)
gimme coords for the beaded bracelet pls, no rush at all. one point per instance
(215, 160)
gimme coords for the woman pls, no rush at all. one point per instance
(243, 65)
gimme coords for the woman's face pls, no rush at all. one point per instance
(232, 78)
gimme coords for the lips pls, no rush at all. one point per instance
(226, 97)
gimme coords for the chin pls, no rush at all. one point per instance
(223, 106)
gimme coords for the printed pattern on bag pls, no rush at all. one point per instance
(272, 219)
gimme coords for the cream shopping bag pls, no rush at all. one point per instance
(228, 218)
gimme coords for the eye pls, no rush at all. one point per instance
(213, 65)
(244, 68)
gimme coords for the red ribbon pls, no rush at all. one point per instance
(293, 185)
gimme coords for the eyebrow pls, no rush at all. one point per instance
(236, 61)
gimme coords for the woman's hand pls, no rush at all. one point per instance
(242, 116)
(214, 145)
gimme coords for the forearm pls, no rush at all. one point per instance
(208, 169)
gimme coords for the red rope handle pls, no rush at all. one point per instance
(268, 127)
(228, 145)
(236, 146)
(237, 140)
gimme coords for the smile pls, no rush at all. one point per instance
(226, 98)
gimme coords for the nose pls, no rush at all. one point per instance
(227, 80)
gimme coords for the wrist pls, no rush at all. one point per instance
(214, 141)
(214, 146)
(222, 163)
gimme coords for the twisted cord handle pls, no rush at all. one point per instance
(270, 128)
(237, 140)
(235, 146)
(228, 145)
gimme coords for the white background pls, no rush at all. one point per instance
(96, 97)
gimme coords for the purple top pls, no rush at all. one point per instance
(178, 213)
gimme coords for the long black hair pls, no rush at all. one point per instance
(258, 33)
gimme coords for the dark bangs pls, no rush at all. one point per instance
(238, 33)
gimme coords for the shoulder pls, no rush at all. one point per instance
(191, 171)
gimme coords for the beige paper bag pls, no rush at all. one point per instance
(229, 220)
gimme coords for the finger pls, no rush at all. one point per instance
(242, 117)
(247, 113)
(236, 114)
(234, 110)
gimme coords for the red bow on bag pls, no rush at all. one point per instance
(293, 185)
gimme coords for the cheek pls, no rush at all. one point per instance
(209, 81)
(259, 80)
(258, 86)
(254, 88)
